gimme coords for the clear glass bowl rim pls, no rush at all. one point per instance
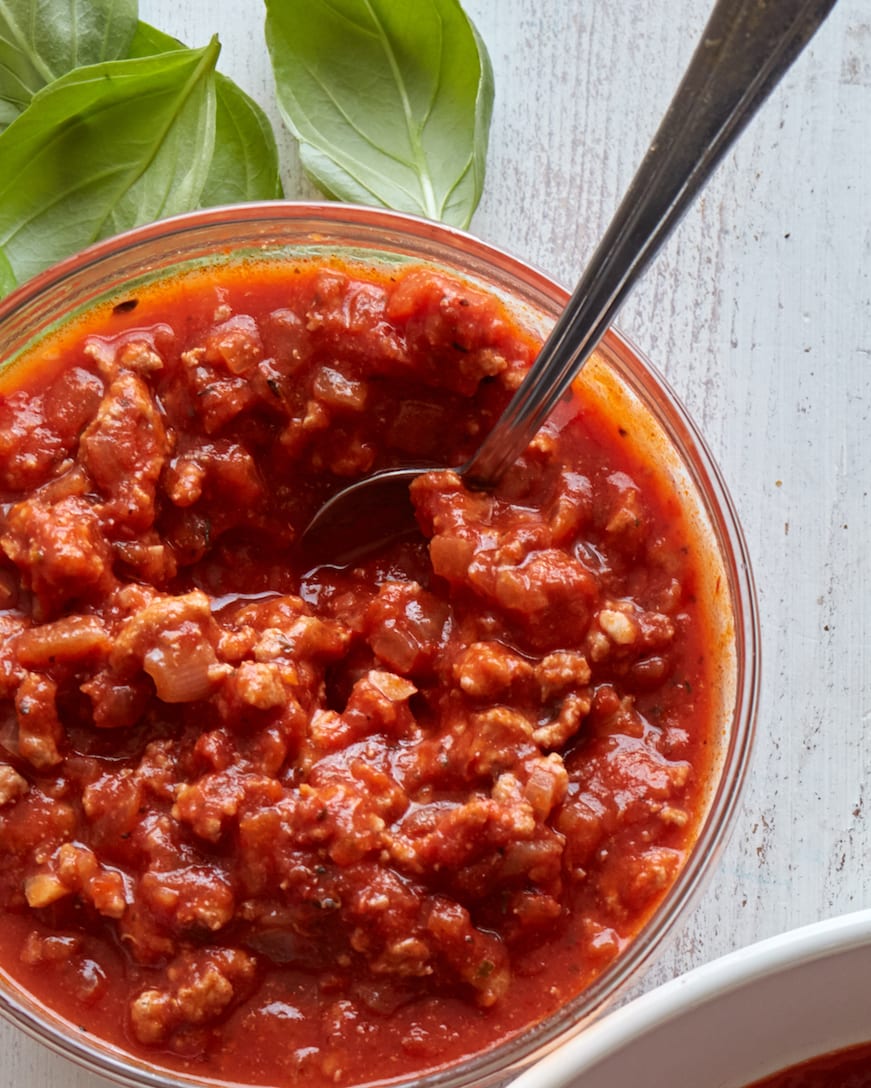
(33, 309)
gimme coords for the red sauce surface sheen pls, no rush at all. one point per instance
(849, 1068)
(326, 826)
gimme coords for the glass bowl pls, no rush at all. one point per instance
(617, 375)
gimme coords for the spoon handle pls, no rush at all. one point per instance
(744, 50)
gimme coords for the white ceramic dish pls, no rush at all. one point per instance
(730, 1022)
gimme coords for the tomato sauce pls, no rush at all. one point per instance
(274, 822)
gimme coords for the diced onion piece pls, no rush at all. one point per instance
(182, 672)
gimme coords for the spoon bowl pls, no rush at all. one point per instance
(361, 517)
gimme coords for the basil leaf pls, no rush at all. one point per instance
(8, 113)
(104, 148)
(390, 101)
(245, 161)
(148, 41)
(7, 276)
(43, 39)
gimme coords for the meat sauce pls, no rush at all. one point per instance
(850, 1068)
(277, 823)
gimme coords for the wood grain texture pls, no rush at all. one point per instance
(759, 313)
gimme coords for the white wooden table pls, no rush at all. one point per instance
(759, 313)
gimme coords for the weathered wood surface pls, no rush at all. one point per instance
(759, 313)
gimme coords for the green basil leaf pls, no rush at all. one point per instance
(245, 161)
(105, 148)
(390, 101)
(41, 40)
(148, 40)
(7, 276)
(8, 113)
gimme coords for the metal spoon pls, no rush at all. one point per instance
(744, 50)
